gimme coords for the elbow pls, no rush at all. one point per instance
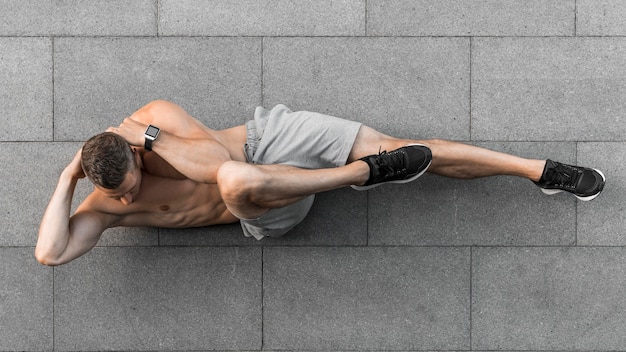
(45, 258)
(48, 261)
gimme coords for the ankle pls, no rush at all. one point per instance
(536, 173)
(361, 172)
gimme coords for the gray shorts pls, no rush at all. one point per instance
(302, 139)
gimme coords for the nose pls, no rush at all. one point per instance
(127, 199)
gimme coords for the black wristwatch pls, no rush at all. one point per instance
(151, 134)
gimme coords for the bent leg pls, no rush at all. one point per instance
(451, 159)
(249, 191)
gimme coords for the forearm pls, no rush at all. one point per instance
(197, 156)
(54, 230)
(197, 159)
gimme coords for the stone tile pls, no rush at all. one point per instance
(99, 81)
(219, 235)
(30, 172)
(130, 236)
(603, 18)
(548, 298)
(160, 299)
(601, 221)
(337, 218)
(548, 88)
(262, 17)
(401, 86)
(26, 301)
(499, 210)
(470, 18)
(26, 89)
(366, 298)
(75, 17)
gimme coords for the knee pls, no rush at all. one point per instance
(238, 181)
(438, 147)
(434, 142)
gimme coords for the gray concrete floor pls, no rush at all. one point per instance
(438, 264)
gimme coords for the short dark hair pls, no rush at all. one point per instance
(106, 159)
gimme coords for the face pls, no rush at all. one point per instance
(129, 189)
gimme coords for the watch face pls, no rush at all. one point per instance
(152, 131)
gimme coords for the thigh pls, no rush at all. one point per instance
(302, 139)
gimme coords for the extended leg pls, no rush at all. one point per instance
(452, 159)
(459, 160)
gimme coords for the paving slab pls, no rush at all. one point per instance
(600, 18)
(601, 222)
(530, 89)
(405, 87)
(262, 17)
(160, 299)
(337, 218)
(130, 237)
(25, 302)
(30, 173)
(548, 298)
(340, 298)
(500, 210)
(217, 80)
(470, 18)
(26, 89)
(218, 235)
(75, 17)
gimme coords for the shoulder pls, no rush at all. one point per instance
(162, 106)
(108, 211)
(157, 109)
(171, 118)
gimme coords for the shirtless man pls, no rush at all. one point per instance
(263, 174)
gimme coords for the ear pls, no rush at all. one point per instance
(138, 159)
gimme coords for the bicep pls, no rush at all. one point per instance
(85, 229)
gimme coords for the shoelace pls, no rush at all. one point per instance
(391, 163)
(565, 176)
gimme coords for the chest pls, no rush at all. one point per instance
(166, 202)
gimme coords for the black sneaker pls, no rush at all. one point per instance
(398, 166)
(583, 182)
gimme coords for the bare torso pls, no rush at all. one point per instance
(167, 198)
(167, 202)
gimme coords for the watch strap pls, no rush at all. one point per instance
(148, 144)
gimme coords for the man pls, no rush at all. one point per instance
(263, 174)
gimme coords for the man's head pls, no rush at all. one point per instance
(106, 158)
(110, 163)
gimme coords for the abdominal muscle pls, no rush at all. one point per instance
(170, 203)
